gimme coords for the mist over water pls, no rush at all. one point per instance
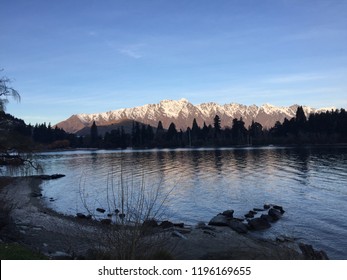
(310, 184)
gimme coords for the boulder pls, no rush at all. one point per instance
(184, 230)
(280, 208)
(101, 210)
(166, 224)
(238, 226)
(228, 213)
(36, 194)
(258, 209)
(200, 225)
(219, 220)
(57, 176)
(312, 254)
(266, 206)
(274, 214)
(209, 233)
(258, 224)
(45, 177)
(179, 225)
(81, 216)
(249, 215)
(178, 234)
(267, 217)
(240, 219)
(151, 223)
(106, 221)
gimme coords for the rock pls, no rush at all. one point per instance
(200, 225)
(283, 238)
(219, 220)
(81, 216)
(58, 255)
(274, 214)
(50, 177)
(36, 194)
(106, 221)
(209, 233)
(258, 209)
(179, 225)
(311, 254)
(238, 226)
(109, 215)
(151, 223)
(252, 212)
(177, 234)
(184, 230)
(280, 208)
(101, 210)
(239, 219)
(258, 224)
(57, 176)
(166, 224)
(249, 215)
(267, 217)
(45, 177)
(266, 206)
(228, 213)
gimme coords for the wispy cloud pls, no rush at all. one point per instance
(312, 34)
(92, 33)
(131, 53)
(294, 78)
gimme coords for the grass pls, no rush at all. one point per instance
(15, 251)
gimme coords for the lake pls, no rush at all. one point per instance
(195, 184)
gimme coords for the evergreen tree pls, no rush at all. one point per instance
(239, 132)
(195, 134)
(204, 132)
(94, 136)
(159, 135)
(216, 124)
(300, 116)
(255, 132)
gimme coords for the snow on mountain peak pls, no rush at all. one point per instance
(182, 113)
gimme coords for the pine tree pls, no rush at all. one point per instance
(94, 136)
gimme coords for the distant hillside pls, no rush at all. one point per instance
(182, 113)
(126, 124)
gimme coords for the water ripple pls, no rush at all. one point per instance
(309, 183)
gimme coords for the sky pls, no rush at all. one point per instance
(88, 56)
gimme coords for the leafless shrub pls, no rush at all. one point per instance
(124, 234)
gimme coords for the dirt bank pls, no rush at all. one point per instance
(59, 236)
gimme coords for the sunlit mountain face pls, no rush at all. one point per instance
(182, 113)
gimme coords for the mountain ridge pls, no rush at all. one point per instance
(182, 112)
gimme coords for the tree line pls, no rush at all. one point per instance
(318, 128)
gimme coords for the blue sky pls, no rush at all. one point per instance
(88, 56)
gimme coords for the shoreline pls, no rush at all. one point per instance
(66, 237)
(335, 145)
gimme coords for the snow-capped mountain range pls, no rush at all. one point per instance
(182, 112)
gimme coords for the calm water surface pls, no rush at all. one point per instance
(310, 183)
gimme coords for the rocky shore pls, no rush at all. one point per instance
(64, 237)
